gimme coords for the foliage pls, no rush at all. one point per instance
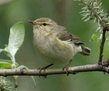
(6, 85)
(16, 39)
(92, 10)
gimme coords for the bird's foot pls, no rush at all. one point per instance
(40, 69)
(66, 68)
(44, 68)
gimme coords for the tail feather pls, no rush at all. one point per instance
(85, 51)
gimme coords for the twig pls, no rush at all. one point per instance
(35, 72)
(102, 46)
(93, 11)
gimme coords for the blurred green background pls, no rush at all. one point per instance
(66, 13)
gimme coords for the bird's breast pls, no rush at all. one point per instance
(54, 50)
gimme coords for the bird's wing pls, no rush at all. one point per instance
(64, 35)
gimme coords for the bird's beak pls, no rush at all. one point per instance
(34, 23)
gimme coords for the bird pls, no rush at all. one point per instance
(55, 44)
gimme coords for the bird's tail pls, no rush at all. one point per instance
(85, 51)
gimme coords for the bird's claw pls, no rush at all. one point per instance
(44, 68)
(66, 68)
(40, 69)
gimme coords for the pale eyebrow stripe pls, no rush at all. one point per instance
(43, 22)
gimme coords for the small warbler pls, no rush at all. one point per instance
(54, 43)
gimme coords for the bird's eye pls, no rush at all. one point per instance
(44, 24)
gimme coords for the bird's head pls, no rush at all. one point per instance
(44, 24)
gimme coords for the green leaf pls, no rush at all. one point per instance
(94, 38)
(7, 53)
(6, 63)
(16, 39)
(23, 66)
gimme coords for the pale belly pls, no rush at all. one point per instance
(56, 51)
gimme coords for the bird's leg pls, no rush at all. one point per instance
(66, 67)
(43, 68)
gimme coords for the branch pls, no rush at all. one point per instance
(102, 46)
(35, 72)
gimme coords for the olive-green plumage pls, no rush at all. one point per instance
(54, 43)
(65, 35)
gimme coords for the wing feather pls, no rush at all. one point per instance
(64, 35)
